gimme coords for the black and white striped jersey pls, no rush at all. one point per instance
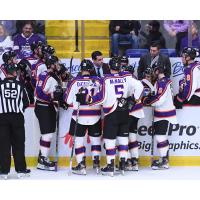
(13, 96)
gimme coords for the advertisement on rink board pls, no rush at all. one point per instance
(184, 137)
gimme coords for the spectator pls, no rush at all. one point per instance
(6, 43)
(153, 36)
(100, 68)
(124, 30)
(23, 41)
(154, 59)
(195, 38)
(10, 26)
(39, 27)
(178, 29)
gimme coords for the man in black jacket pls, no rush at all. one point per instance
(152, 60)
(100, 68)
(124, 30)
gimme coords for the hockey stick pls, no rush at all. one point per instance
(152, 138)
(57, 135)
(70, 68)
(74, 138)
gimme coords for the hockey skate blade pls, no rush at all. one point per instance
(81, 172)
(42, 167)
(159, 168)
(97, 170)
(111, 174)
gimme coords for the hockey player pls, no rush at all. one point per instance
(46, 93)
(8, 58)
(38, 66)
(189, 90)
(135, 113)
(117, 88)
(89, 117)
(164, 114)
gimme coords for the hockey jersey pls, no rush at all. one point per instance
(88, 115)
(22, 45)
(115, 86)
(36, 70)
(191, 82)
(45, 87)
(162, 101)
(2, 73)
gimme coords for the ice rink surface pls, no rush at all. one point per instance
(174, 173)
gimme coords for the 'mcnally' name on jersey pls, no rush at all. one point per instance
(117, 80)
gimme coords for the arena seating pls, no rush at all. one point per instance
(61, 35)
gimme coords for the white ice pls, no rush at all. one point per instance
(174, 173)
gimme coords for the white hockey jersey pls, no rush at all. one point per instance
(115, 86)
(162, 101)
(88, 115)
(2, 73)
(191, 82)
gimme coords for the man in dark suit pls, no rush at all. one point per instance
(152, 60)
(100, 68)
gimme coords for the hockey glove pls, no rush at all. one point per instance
(131, 102)
(58, 93)
(146, 101)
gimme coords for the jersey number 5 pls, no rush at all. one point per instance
(119, 90)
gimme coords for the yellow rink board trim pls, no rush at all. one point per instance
(144, 161)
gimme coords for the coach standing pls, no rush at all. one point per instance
(13, 100)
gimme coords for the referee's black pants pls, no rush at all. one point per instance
(12, 135)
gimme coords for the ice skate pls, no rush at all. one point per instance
(109, 169)
(162, 163)
(131, 164)
(80, 169)
(45, 164)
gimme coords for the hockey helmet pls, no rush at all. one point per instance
(124, 59)
(8, 55)
(86, 65)
(35, 45)
(191, 52)
(115, 63)
(50, 60)
(10, 68)
(47, 49)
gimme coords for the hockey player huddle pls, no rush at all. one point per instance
(107, 108)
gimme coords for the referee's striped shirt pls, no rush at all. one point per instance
(13, 96)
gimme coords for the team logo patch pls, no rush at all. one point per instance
(160, 90)
(188, 77)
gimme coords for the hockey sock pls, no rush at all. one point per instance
(133, 145)
(79, 149)
(110, 149)
(95, 146)
(123, 147)
(162, 144)
(45, 143)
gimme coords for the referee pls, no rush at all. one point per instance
(13, 101)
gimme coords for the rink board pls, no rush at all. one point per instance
(184, 138)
